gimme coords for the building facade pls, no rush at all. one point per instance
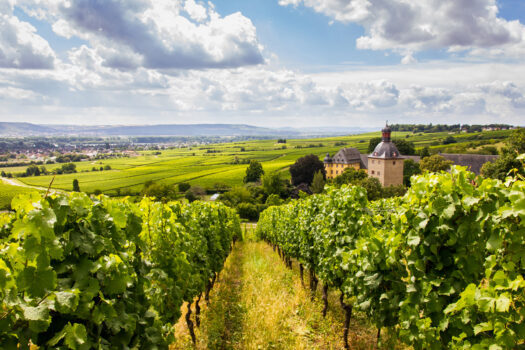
(384, 163)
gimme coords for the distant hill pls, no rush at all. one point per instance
(28, 129)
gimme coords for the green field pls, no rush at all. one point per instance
(211, 164)
(8, 192)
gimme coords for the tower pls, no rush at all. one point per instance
(385, 163)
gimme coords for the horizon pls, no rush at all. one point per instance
(276, 64)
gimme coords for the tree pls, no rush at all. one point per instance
(405, 147)
(253, 172)
(449, 139)
(184, 186)
(318, 182)
(373, 187)
(410, 168)
(76, 187)
(273, 199)
(516, 140)
(374, 141)
(32, 170)
(435, 163)
(500, 168)
(304, 169)
(235, 196)
(424, 152)
(350, 175)
(273, 184)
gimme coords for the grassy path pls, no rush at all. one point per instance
(258, 303)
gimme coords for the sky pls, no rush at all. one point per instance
(272, 63)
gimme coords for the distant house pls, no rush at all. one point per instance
(386, 163)
(215, 197)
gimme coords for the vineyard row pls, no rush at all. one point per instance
(441, 267)
(84, 273)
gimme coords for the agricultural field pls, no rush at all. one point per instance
(8, 192)
(211, 164)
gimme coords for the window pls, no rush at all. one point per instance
(373, 161)
(373, 172)
(394, 162)
(378, 173)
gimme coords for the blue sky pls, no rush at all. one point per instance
(262, 62)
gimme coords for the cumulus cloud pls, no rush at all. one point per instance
(403, 25)
(20, 46)
(156, 34)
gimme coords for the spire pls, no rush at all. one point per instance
(386, 133)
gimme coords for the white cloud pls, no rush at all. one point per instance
(21, 47)
(401, 25)
(157, 34)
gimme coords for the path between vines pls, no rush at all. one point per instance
(258, 303)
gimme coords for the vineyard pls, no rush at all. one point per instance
(441, 267)
(81, 273)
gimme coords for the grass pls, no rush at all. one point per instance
(258, 303)
(198, 167)
(8, 192)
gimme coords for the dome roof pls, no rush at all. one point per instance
(328, 159)
(385, 149)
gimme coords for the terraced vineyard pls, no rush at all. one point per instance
(211, 164)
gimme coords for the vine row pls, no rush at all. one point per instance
(441, 267)
(82, 273)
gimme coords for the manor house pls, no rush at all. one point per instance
(386, 163)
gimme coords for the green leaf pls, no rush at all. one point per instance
(76, 336)
(448, 213)
(483, 327)
(66, 302)
(503, 302)
(36, 283)
(494, 242)
(39, 313)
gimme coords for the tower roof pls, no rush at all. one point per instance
(385, 149)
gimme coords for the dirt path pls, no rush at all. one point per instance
(14, 182)
(259, 303)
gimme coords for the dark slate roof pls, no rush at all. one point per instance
(347, 156)
(385, 149)
(328, 159)
(364, 161)
(473, 161)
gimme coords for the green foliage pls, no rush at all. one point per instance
(318, 182)
(424, 152)
(349, 176)
(236, 196)
(405, 147)
(304, 169)
(160, 192)
(76, 187)
(502, 167)
(410, 168)
(435, 163)
(253, 172)
(449, 139)
(516, 140)
(77, 273)
(273, 199)
(184, 186)
(372, 144)
(442, 266)
(32, 170)
(273, 184)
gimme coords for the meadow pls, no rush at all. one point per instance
(8, 192)
(208, 165)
